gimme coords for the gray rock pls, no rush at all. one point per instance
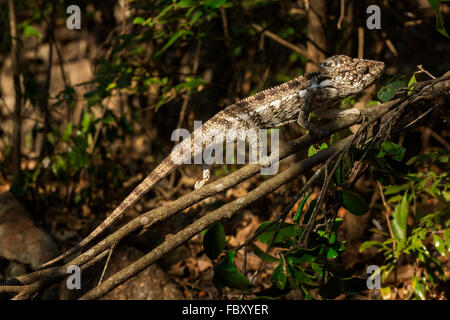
(150, 284)
(20, 239)
(15, 269)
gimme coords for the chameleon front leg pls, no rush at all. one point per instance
(303, 115)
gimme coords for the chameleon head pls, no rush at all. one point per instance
(350, 75)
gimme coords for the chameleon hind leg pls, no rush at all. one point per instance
(206, 174)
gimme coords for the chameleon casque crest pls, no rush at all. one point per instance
(338, 77)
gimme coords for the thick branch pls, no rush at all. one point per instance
(225, 212)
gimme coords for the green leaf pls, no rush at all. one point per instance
(396, 189)
(372, 103)
(214, 241)
(302, 277)
(301, 255)
(190, 83)
(347, 102)
(138, 20)
(195, 17)
(59, 164)
(335, 138)
(173, 38)
(354, 203)
(411, 82)
(67, 132)
(385, 293)
(78, 159)
(392, 149)
(278, 276)
(30, 31)
(225, 274)
(186, 3)
(85, 121)
(369, 244)
(317, 268)
(446, 195)
(164, 11)
(295, 260)
(447, 238)
(395, 199)
(300, 207)
(387, 92)
(311, 151)
(418, 288)
(400, 219)
(108, 118)
(332, 253)
(286, 231)
(439, 244)
(262, 254)
(435, 4)
(111, 86)
(413, 160)
(51, 138)
(443, 159)
(215, 4)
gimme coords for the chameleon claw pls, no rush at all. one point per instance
(265, 162)
(205, 177)
(199, 183)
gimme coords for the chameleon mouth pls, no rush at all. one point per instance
(380, 66)
(378, 69)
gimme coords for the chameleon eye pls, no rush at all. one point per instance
(362, 69)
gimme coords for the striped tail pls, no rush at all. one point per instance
(162, 170)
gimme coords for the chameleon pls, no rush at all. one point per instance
(320, 92)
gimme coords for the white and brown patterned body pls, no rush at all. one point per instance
(339, 77)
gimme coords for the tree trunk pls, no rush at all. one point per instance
(316, 46)
(17, 120)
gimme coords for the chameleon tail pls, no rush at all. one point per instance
(162, 170)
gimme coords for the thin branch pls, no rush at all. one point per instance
(273, 36)
(281, 217)
(223, 15)
(341, 15)
(439, 138)
(17, 120)
(187, 97)
(110, 251)
(387, 214)
(45, 94)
